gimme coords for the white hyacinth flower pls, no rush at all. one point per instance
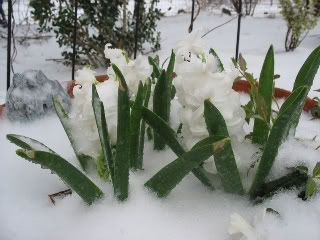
(115, 55)
(135, 71)
(195, 87)
(193, 44)
(82, 112)
(198, 78)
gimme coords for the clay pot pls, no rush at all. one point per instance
(2, 108)
(244, 86)
(72, 83)
(239, 86)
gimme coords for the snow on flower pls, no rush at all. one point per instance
(193, 44)
(115, 55)
(82, 112)
(134, 71)
(198, 79)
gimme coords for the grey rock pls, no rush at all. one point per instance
(30, 96)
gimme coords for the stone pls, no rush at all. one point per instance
(30, 96)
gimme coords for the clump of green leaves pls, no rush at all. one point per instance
(270, 136)
(162, 94)
(110, 164)
(131, 130)
(256, 107)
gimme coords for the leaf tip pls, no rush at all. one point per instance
(220, 144)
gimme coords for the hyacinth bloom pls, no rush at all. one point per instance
(134, 71)
(198, 78)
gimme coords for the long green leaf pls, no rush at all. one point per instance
(220, 64)
(170, 67)
(168, 177)
(122, 160)
(83, 158)
(135, 127)
(160, 106)
(147, 91)
(223, 157)
(155, 65)
(169, 136)
(265, 90)
(98, 108)
(169, 76)
(169, 79)
(278, 134)
(292, 180)
(74, 178)
(305, 77)
(28, 143)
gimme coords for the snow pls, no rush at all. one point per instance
(190, 211)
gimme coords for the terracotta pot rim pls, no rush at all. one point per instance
(239, 86)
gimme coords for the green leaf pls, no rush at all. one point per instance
(27, 143)
(74, 178)
(294, 179)
(122, 160)
(135, 127)
(160, 106)
(220, 64)
(242, 63)
(305, 77)
(216, 124)
(122, 82)
(101, 168)
(162, 128)
(308, 70)
(147, 91)
(223, 156)
(265, 90)
(155, 66)
(169, 136)
(83, 158)
(311, 187)
(169, 79)
(316, 171)
(168, 177)
(278, 134)
(170, 67)
(105, 164)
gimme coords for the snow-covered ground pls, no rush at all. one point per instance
(191, 211)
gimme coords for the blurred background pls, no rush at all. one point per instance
(42, 32)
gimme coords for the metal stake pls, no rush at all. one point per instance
(238, 30)
(137, 12)
(9, 40)
(192, 16)
(74, 52)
